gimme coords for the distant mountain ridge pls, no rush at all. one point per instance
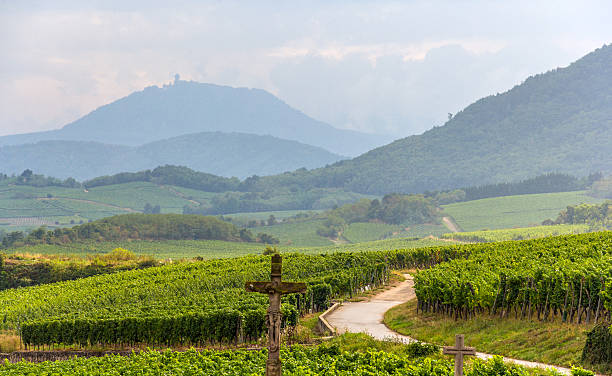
(225, 154)
(156, 113)
(559, 121)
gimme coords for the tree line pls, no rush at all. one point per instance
(392, 209)
(140, 227)
(598, 217)
(546, 183)
(289, 191)
(170, 175)
(28, 177)
(21, 272)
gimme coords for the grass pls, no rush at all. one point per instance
(513, 211)
(9, 342)
(547, 342)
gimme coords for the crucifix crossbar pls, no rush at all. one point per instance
(275, 288)
(459, 351)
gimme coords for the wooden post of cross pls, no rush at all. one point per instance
(275, 288)
(459, 351)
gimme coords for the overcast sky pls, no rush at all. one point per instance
(377, 66)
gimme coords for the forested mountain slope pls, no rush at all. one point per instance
(559, 121)
(189, 107)
(225, 154)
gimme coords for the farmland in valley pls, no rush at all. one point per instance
(513, 211)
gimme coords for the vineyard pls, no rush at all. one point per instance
(516, 233)
(208, 249)
(167, 304)
(297, 361)
(567, 278)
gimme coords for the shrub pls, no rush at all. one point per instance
(598, 346)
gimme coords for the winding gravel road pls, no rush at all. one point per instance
(367, 317)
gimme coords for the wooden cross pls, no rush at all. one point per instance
(275, 288)
(459, 351)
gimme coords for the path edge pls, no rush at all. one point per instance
(525, 363)
(323, 325)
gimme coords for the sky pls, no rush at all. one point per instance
(388, 67)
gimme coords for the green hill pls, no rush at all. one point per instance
(513, 211)
(226, 154)
(559, 121)
(158, 113)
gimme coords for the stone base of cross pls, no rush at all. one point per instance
(274, 289)
(459, 351)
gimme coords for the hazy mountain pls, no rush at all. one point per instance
(190, 107)
(559, 121)
(225, 154)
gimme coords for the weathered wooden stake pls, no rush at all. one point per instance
(459, 351)
(275, 288)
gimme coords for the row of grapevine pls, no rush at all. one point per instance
(525, 233)
(202, 301)
(297, 361)
(219, 326)
(213, 283)
(568, 277)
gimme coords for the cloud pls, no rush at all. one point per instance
(378, 66)
(398, 95)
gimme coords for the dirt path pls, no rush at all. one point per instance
(450, 224)
(367, 317)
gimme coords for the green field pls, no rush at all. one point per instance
(517, 233)
(378, 245)
(133, 196)
(423, 230)
(167, 249)
(279, 214)
(304, 233)
(207, 249)
(23, 207)
(363, 232)
(513, 211)
(26, 207)
(297, 234)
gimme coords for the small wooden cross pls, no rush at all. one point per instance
(459, 351)
(275, 288)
